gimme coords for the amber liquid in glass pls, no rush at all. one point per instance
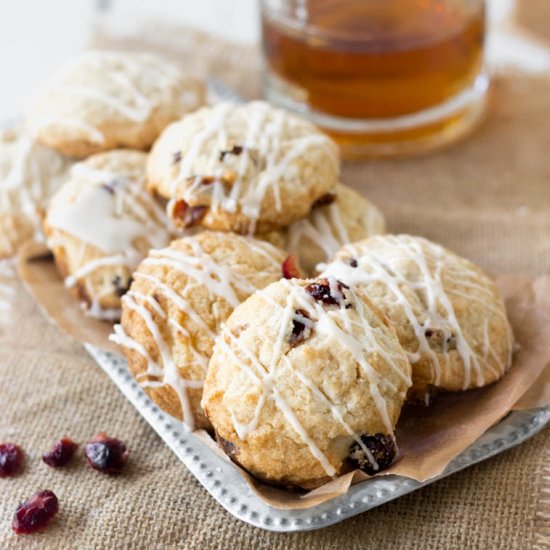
(376, 59)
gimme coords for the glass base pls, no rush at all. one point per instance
(415, 133)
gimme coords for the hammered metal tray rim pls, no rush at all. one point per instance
(224, 482)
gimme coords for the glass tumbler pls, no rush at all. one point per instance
(383, 77)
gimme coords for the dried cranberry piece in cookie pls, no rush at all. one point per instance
(324, 200)
(228, 447)
(120, 287)
(35, 513)
(11, 459)
(328, 291)
(235, 150)
(440, 340)
(187, 216)
(301, 327)
(60, 454)
(291, 268)
(106, 454)
(375, 454)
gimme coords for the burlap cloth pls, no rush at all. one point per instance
(487, 198)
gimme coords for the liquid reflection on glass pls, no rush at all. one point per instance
(383, 76)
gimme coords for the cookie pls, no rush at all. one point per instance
(243, 168)
(29, 175)
(448, 314)
(105, 100)
(337, 220)
(100, 225)
(307, 381)
(176, 305)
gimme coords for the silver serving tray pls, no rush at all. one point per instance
(223, 481)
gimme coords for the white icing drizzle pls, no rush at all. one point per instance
(117, 91)
(356, 336)
(90, 267)
(200, 269)
(326, 229)
(438, 282)
(34, 174)
(263, 142)
(111, 215)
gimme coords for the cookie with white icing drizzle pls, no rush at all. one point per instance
(29, 175)
(176, 305)
(100, 225)
(247, 168)
(307, 380)
(105, 100)
(336, 220)
(447, 312)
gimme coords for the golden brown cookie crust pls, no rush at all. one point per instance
(289, 400)
(105, 100)
(448, 314)
(347, 218)
(100, 224)
(245, 168)
(29, 175)
(179, 298)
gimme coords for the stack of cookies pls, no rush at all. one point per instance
(300, 372)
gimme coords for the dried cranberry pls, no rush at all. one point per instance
(301, 328)
(439, 340)
(106, 454)
(188, 215)
(235, 150)
(324, 200)
(382, 448)
(120, 288)
(176, 157)
(321, 291)
(35, 513)
(109, 187)
(291, 268)
(228, 447)
(205, 180)
(353, 262)
(62, 451)
(11, 459)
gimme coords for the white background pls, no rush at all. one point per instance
(37, 36)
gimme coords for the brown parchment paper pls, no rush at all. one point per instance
(428, 438)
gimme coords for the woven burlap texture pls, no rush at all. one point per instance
(487, 198)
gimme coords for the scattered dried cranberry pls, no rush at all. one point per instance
(353, 262)
(62, 451)
(321, 291)
(382, 448)
(35, 513)
(324, 200)
(11, 459)
(176, 157)
(235, 150)
(188, 215)
(301, 327)
(106, 454)
(291, 268)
